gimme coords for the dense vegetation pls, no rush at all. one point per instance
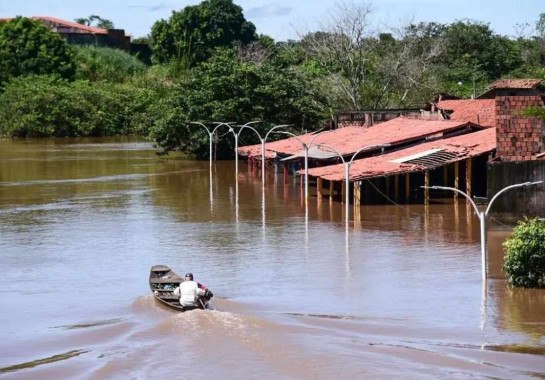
(524, 261)
(209, 64)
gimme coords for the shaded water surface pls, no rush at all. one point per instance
(298, 295)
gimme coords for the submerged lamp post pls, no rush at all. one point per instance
(306, 148)
(482, 215)
(211, 134)
(237, 134)
(347, 169)
(262, 139)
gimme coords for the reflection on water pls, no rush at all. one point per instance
(51, 359)
(396, 292)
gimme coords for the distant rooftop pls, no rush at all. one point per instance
(478, 111)
(68, 26)
(515, 83)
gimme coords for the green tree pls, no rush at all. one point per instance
(28, 47)
(228, 88)
(192, 34)
(96, 21)
(524, 261)
(540, 25)
(474, 56)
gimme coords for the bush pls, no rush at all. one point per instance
(42, 106)
(524, 261)
(100, 63)
(28, 47)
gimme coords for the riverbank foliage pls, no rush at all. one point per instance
(28, 47)
(524, 261)
(210, 64)
(42, 106)
(95, 63)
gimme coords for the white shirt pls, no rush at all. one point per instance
(189, 292)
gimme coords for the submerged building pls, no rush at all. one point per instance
(475, 145)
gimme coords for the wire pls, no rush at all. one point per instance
(390, 199)
(497, 221)
(405, 208)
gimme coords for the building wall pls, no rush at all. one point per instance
(519, 138)
(368, 118)
(516, 203)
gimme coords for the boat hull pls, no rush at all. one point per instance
(163, 281)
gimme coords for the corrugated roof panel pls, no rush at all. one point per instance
(417, 155)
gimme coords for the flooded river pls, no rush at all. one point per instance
(297, 294)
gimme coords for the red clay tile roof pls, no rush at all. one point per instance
(71, 24)
(349, 140)
(79, 28)
(458, 148)
(515, 83)
(478, 111)
(287, 146)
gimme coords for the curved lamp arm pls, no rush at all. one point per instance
(525, 184)
(295, 137)
(316, 135)
(457, 191)
(246, 126)
(273, 128)
(202, 125)
(251, 128)
(333, 150)
(368, 147)
(219, 124)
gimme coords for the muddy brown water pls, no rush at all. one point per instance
(397, 294)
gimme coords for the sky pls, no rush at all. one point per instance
(289, 19)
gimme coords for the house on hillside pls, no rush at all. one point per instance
(79, 34)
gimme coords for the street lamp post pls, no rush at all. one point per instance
(262, 144)
(306, 148)
(482, 215)
(211, 138)
(211, 135)
(347, 169)
(237, 134)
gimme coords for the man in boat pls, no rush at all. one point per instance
(190, 292)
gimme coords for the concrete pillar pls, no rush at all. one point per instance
(469, 173)
(456, 178)
(396, 188)
(407, 186)
(426, 190)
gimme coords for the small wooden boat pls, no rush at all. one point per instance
(163, 281)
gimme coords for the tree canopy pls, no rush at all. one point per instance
(28, 47)
(228, 88)
(94, 20)
(192, 34)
